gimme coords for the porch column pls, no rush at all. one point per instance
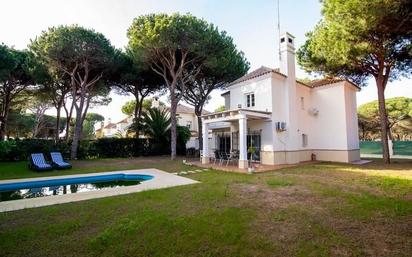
(243, 163)
(205, 136)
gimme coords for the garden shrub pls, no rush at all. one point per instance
(18, 150)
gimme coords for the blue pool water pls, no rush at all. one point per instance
(41, 188)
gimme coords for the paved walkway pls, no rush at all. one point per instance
(161, 180)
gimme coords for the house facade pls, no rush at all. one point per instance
(274, 119)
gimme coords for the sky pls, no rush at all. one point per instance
(251, 24)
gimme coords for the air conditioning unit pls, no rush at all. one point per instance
(280, 126)
(313, 111)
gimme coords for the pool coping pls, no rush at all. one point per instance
(161, 179)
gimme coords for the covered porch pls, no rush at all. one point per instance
(232, 141)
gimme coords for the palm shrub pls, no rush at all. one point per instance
(156, 124)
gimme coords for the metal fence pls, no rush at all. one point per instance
(375, 147)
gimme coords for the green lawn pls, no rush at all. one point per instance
(313, 210)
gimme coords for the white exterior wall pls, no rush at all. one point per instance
(305, 119)
(328, 129)
(351, 118)
(183, 119)
(261, 87)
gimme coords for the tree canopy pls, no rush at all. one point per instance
(399, 111)
(82, 54)
(15, 76)
(129, 107)
(177, 47)
(359, 39)
(132, 76)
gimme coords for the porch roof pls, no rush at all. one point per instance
(236, 114)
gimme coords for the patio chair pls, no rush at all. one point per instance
(231, 157)
(58, 161)
(222, 157)
(37, 162)
(217, 156)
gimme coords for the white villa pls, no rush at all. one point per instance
(286, 121)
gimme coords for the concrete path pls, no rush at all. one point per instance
(161, 180)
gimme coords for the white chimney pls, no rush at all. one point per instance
(287, 67)
(155, 103)
(287, 55)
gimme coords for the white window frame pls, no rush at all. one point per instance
(250, 100)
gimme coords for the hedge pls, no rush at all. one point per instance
(18, 150)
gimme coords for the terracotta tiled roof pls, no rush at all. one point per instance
(324, 81)
(123, 121)
(265, 70)
(256, 73)
(184, 109)
(110, 125)
(328, 81)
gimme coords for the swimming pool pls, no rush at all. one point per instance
(72, 185)
(149, 179)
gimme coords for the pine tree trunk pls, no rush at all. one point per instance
(58, 109)
(76, 134)
(4, 117)
(78, 126)
(383, 119)
(199, 128)
(173, 123)
(69, 115)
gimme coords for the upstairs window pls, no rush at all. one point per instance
(250, 100)
(302, 103)
(304, 140)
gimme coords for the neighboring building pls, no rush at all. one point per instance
(114, 129)
(186, 117)
(286, 121)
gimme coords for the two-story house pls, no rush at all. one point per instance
(285, 121)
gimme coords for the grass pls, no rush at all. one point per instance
(314, 210)
(276, 182)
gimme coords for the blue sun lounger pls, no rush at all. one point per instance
(38, 163)
(58, 162)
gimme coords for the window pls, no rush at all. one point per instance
(282, 40)
(302, 103)
(189, 124)
(250, 100)
(290, 40)
(304, 140)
